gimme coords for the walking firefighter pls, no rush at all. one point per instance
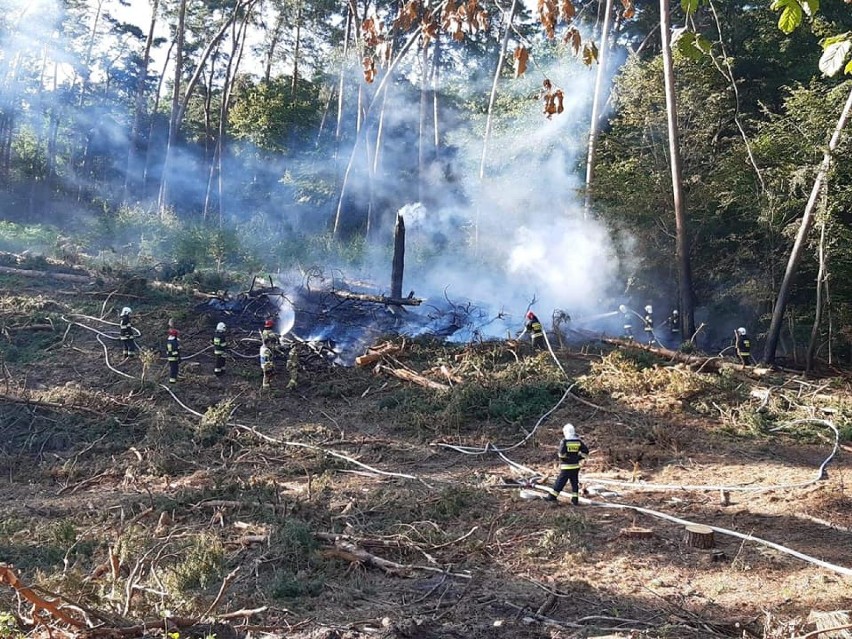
(125, 332)
(572, 451)
(173, 354)
(220, 343)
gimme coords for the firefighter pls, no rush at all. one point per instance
(534, 328)
(627, 327)
(220, 343)
(173, 354)
(742, 343)
(267, 365)
(572, 451)
(648, 324)
(125, 325)
(674, 323)
(268, 334)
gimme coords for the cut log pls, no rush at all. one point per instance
(409, 376)
(64, 277)
(699, 536)
(725, 497)
(375, 353)
(704, 363)
(835, 624)
(636, 532)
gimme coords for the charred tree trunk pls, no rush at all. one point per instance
(687, 307)
(398, 257)
(802, 236)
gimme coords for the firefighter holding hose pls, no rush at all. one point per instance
(534, 328)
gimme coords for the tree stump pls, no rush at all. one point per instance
(636, 532)
(725, 498)
(699, 536)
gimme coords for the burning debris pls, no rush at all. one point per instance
(338, 320)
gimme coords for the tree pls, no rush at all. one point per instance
(687, 307)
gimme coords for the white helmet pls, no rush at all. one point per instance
(126, 310)
(741, 331)
(568, 431)
(221, 327)
(649, 309)
(622, 309)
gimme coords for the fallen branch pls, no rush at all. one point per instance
(349, 551)
(8, 577)
(711, 363)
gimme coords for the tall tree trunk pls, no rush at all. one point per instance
(157, 95)
(802, 236)
(687, 305)
(423, 135)
(489, 117)
(162, 200)
(603, 52)
(139, 101)
(275, 37)
(436, 61)
(820, 282)
(296, 52)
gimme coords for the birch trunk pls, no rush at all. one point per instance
(802, 236)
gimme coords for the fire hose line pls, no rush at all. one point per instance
(724, 531)
(102, 321)
(113, 337)
(471, 450)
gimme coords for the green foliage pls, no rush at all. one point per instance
(200, 564)
(34, 237)
(9, 627)
(214, 423)
(791, 14)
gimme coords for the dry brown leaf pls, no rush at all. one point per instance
(369, 69)
(590, 53)
(568, 10)
(521, 55)
(548, 15)
(574, 39)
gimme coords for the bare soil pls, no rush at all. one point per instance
(107, 485)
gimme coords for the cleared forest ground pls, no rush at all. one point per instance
(331, 509)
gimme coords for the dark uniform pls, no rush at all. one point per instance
(220, 343)
(674, 323)
(743, 346)
(125, 332)
(648, 324)
(173, 354)
(572, 451)
(534, 328)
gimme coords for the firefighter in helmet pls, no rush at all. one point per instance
(742, 342)
(627, 326)
(268, 334)
(533, 326)
(125, 332)
(674, 323)
(220, 343)
(572, 451)
(173, 354)
(648, 324)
